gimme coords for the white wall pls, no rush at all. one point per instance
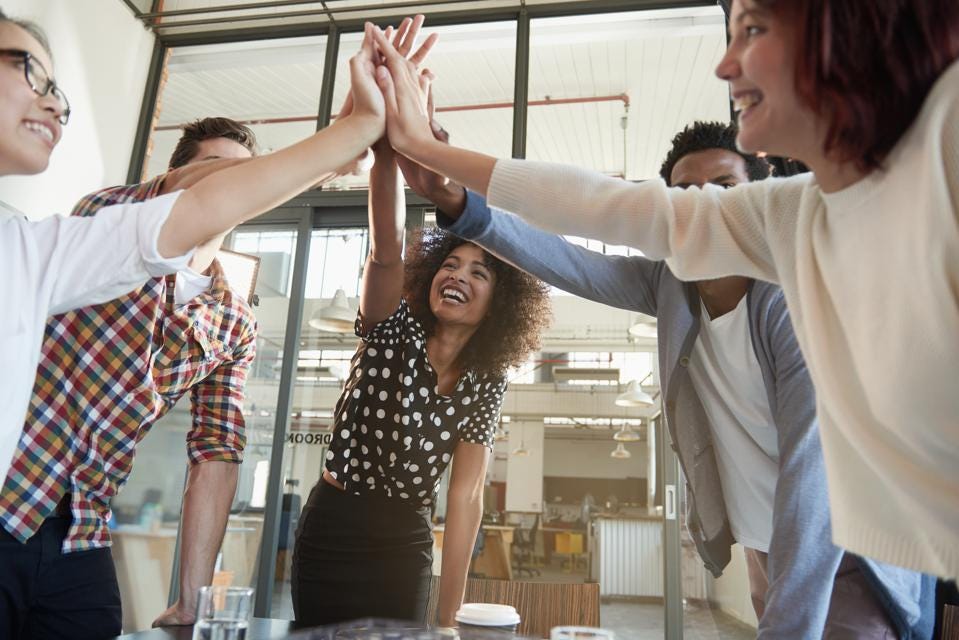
(586, 459)
(102, 56)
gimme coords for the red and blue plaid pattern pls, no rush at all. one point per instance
(107, 373)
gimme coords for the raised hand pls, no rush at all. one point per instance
(405, 91)
(366, 97)
(403, 41)
(425, 182)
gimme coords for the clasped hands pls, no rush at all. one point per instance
(388, 84)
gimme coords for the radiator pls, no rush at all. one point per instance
(630, 557)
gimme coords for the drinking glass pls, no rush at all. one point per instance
(223, 613)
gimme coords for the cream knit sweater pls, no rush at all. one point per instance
(871, 276)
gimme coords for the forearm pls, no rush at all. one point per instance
(229, 197)
(206, 508)
(387, 211)
(463, 516)
(466, 168)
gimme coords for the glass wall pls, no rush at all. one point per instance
(606, 92)
(273, 86)
(147, 511)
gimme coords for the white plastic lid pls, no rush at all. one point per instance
(487, 615)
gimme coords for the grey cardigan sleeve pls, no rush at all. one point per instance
(627, 282)
(802, 558)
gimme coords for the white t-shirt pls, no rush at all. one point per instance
(58, 264)
(726, 373)
(190, 284)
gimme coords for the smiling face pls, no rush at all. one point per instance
(462, 288)
(29, 129)
(759, 65)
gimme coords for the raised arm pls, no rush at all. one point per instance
(702, 233)
(626, 282)
(382, 285)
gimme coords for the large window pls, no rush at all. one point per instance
(606, 92)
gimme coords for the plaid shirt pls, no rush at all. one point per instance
(107, 373)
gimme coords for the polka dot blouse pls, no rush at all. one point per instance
(394, 434)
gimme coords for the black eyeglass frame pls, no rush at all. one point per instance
(30, 62)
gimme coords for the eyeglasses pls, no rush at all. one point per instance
(39, 80)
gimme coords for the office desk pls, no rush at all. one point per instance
(494, 561)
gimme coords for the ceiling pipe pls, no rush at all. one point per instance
(622, 97)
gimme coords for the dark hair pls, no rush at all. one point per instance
(519, 309)
(33, 29)
(701, 136)
(866, 66)
(208, 129)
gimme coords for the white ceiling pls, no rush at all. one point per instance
(662, 60)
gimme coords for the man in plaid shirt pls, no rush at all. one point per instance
(107, 373)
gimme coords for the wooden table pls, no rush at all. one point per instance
(260, 629)
(494, 561)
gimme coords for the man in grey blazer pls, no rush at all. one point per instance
(739, 405)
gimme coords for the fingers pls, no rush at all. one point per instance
(385, 82)
(413, 30)
(386, 48)
(424, 50)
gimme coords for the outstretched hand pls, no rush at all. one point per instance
(405, 90)
(426, 182)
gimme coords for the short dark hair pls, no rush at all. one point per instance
(866, 67)
(519, 310)
(702, 136)
(33, 29)
(208, 129)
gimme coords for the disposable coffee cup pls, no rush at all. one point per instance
(491, 617)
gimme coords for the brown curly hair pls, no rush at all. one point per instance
(519, 309)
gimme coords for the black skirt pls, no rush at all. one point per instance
(360, 556)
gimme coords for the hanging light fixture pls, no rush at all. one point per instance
(626, 434)
(336, 317)
(500, 433)
(620, 452)
(644, 327)
(634, 396)
(521, 451)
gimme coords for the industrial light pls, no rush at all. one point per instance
(336, 317)
(620, 452)
(634, 396)
(643, 329)
(626, 434)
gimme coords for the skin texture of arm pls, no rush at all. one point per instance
(464, 512)
(209, 493)
(382, 285)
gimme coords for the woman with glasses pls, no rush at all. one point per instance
(56, 264)
(866, 247)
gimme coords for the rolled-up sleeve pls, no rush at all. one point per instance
(219, 429)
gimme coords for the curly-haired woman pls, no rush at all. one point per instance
(425, 389)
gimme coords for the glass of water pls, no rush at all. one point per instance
(223, 613)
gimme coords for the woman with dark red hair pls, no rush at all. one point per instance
(866, 247)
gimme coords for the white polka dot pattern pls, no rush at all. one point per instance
(393, 431)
